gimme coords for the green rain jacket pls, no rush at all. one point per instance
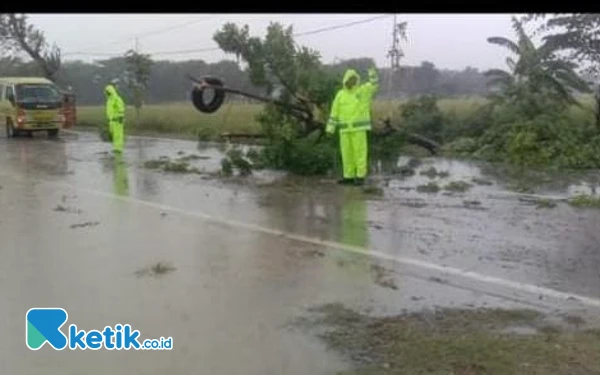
(115, 107)
(351, 109)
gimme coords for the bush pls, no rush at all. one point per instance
(312, 155)
(422, 116)
(583, 200)
(226, 167)
(550, 138)
(205, 134)
(461, 146)
(473, 125)
(386, 148)
(430, 187)
(239, 162)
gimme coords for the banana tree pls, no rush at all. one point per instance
(536, 70)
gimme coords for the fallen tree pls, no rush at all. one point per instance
(310, 124)
(299, 91)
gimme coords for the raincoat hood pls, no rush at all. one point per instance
(349, 74)
(110, 90)
(351, 108)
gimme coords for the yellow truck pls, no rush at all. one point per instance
(30, 104)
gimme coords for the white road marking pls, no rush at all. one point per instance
(492, 280)
(514, 285)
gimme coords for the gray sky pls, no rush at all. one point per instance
(451, 41)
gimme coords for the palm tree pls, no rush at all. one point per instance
(537, 69)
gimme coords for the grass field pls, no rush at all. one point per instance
(183, 119)
(179, 118)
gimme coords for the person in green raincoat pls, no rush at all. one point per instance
(351, 116)
(115, 113)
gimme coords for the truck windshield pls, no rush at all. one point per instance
(37, 93)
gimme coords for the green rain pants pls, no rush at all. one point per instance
(353, 146)
(117, 134)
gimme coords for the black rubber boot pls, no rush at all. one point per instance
(345, 181)
(359, 181)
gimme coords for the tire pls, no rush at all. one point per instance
(215, 103)
(53, 133)
(10, 130)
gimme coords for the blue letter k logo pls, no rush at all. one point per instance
(43, 324)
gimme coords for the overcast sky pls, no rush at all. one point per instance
(451, 41)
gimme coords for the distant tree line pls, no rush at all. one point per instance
(410, 81)
(168, 81)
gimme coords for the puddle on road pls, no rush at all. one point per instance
(486, 178)
(481, 177)
(482, 228)
(469, 230)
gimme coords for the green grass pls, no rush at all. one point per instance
(457, 341)
(430, 187)
(458, 186)
(180, 165)
(584, 200)
(545, 203)
(179, 118)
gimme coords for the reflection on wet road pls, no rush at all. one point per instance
(76, 223)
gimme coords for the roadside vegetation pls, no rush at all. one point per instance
(541, 110)
(541, 113)
(583, 200)
(458, 341)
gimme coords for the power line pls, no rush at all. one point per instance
(341, 26)
(211, 49)
(164, 30)
(142, 35)
(185, 51)
(311, 32)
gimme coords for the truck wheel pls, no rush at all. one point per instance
(53, 133)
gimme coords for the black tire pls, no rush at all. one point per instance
(217, 100)
(53, 133)
(10, 130)
(30, 134)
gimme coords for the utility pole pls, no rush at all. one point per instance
(395, 53)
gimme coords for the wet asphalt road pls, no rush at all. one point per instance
(251, 257)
